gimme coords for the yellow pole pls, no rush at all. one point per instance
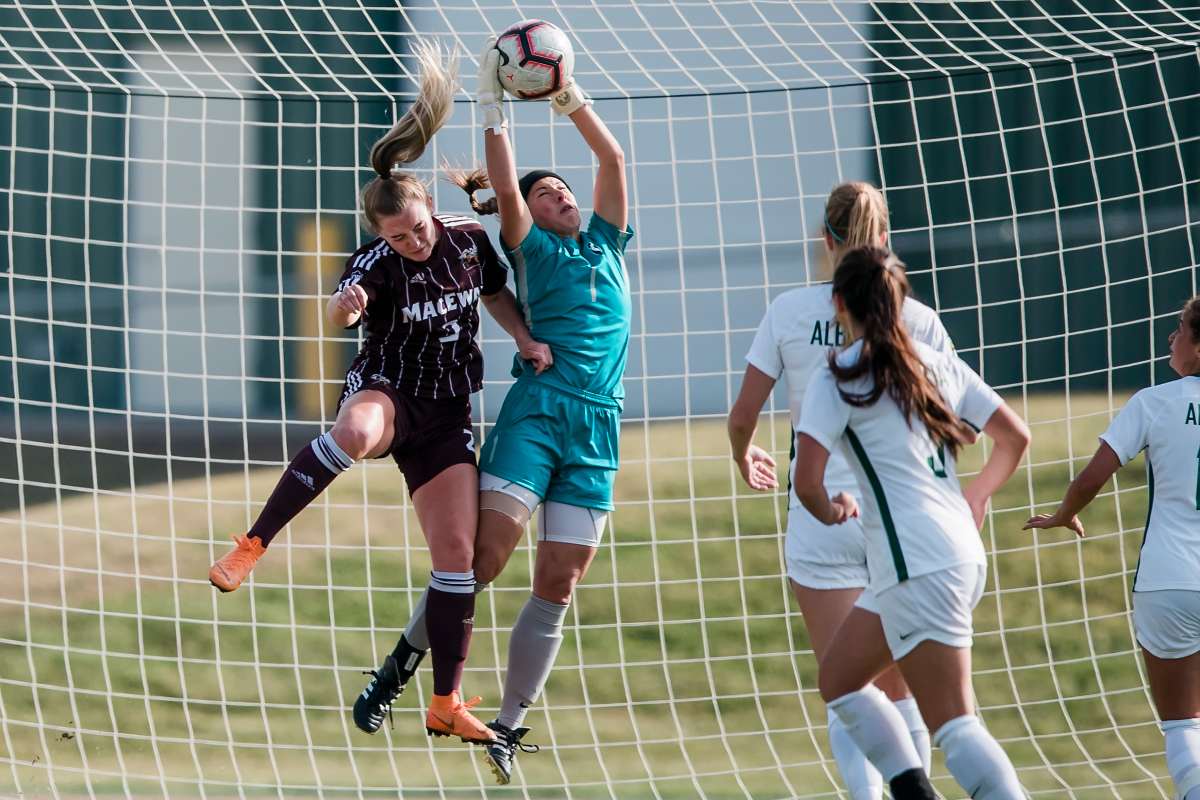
(320, 244)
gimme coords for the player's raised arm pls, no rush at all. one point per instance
(515, 220)
(608, 195)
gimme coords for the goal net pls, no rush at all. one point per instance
(178, 182)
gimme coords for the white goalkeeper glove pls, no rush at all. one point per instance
(489, 94)
(569, 99)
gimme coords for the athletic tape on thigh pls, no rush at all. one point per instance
(505, 497)
(505, 504)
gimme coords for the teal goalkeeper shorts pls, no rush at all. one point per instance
(562, 447)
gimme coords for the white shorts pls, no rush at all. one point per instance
(557, 522)
(936, 606)
(1167, 622)
(825, 556)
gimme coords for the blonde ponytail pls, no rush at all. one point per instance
(393, 188)
(856, 215)
(406, 141)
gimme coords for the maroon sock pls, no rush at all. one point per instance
(449, 618)
(312, 469)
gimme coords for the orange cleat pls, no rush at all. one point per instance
(228, 571)
(449, 716)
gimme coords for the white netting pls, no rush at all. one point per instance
(178, 194)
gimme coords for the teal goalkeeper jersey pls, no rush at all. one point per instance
(575, 297)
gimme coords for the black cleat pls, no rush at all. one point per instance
(912, 784)
(376, 700)
(501, 754)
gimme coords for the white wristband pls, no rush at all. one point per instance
(568, 100)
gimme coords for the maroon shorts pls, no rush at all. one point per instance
(431, 435)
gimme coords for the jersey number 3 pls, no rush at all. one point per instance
(452, 331)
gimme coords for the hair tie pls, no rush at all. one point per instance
(396, 170)
(832, 232)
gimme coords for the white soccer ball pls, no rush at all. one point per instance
(536, 59)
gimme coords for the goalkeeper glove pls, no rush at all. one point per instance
(569, 99)
(489, 93)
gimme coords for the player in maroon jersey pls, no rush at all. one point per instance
(416, 289)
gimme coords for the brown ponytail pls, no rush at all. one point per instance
(872, 285)
(471, 181)
(393, 188)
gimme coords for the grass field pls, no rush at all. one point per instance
(685, 671)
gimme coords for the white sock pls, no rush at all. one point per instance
(1183, 755)
(878, 730)
(536, 637)
(976, 760)
(917, 730)
(331, 456)
(862, 780)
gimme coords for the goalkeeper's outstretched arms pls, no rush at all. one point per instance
(512, 195)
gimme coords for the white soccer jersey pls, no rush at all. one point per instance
(914, 515)
(794, 339)
(1164, 421)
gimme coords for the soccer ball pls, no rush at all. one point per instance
(535, 59)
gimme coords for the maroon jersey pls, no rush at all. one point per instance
(422, 316)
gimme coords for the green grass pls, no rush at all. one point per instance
(685, 670)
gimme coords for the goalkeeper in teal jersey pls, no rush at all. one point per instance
(554, 446)
(556, 436)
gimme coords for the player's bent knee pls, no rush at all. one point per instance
(827, 684)
(893, 685)
(557, 586)
(827, 688)
(452, 554)
(832, 682)
(487, 565)
(491, 556)
(559, 593)
(357, 437)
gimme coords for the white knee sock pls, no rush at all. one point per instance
(976, 760)
(1183, 755)
(534, 644)
(878, 730)
(862, 780)
(917, 730)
